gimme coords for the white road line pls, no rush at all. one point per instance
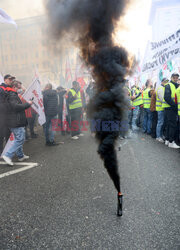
(27, 165)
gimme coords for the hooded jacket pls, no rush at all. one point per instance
(50, 100)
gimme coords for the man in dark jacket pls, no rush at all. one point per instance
(50, 100)
(16, 121)
(4, 131)
(171, 112)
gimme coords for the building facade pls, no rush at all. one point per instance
(27, 50)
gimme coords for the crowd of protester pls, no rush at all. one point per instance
(63, 112)
(155, 110)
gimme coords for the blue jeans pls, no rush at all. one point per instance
(17, 147)
(134, 117)
(48, 131)
(160, 124)
(147, 123)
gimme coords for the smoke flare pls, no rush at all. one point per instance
(91, 24)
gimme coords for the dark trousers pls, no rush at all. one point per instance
(49, 129)
(75, 121)
(178, 130)
(171, 124)
(140, 117)
(61, 124)
(154, 124)
(147, 122)
(31, 123)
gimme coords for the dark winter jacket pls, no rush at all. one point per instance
(3, 99)
(16, 110)
(61, 102)
(50, 100)
(167, 96)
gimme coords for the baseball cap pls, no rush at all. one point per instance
(164, 79)
(9, 77)
(175, 74)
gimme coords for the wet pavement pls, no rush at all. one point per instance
(69, 202)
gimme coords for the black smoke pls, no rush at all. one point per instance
(91, 24)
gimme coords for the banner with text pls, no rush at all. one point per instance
(34, 93)
(159, 53)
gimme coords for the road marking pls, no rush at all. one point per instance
(27, 165)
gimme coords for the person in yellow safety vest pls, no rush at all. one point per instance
(170, 109)
(147, 122)
(178, 99)
(128, 94)
(178, 103)
(75, 108)
(136, 101)
(160, 110)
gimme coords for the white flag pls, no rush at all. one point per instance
(34, 92)
(9, 144)
(4, 18)
(1, 78)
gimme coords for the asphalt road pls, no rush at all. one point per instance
(69, 202)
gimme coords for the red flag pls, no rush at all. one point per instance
(165, 66)
(81, 82)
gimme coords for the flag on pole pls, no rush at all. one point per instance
(34, 92)
(1, 78)
(68, 73)
(4, 18)
(79, 72)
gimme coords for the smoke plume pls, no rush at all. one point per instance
(91, 24)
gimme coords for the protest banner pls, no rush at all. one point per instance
(159, 53)
(34, 93)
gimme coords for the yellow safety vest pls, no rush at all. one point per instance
(138, 101)
(178, 99)
(146, 99)
(173, 92)
(158, 102)
(76, 103)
